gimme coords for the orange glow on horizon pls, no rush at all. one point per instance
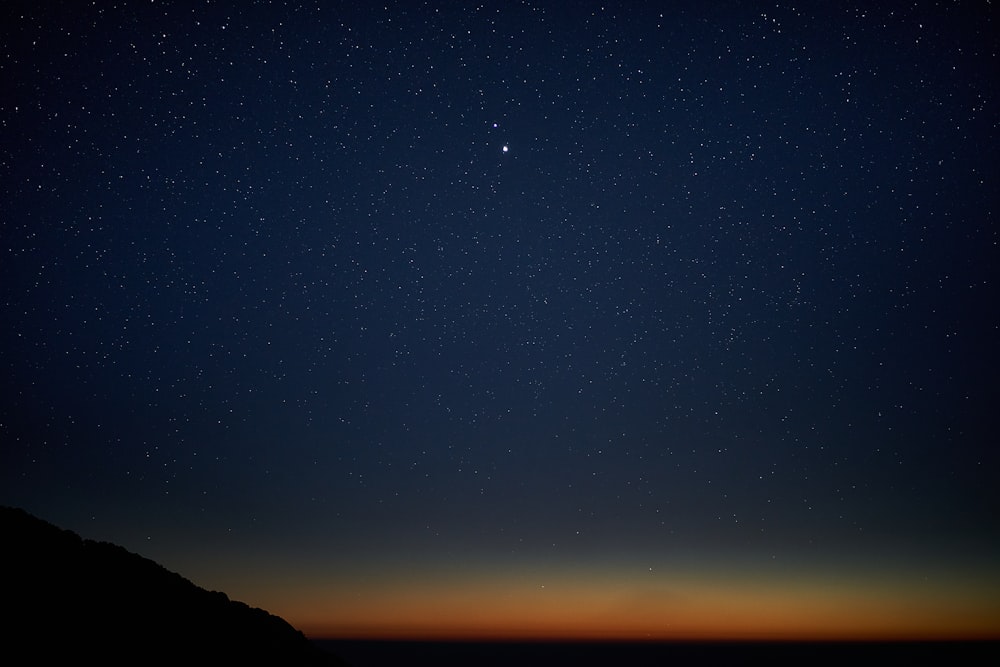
(592, 607)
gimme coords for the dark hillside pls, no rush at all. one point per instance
(66, 598)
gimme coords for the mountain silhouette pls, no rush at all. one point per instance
(67, 598)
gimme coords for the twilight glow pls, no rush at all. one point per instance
(514, 319)
(589, 606)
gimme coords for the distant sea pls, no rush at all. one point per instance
(675, 654)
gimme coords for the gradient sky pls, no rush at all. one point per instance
(513, 319)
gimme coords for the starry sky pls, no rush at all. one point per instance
(513, 319)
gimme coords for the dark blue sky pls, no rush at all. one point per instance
(491, 283)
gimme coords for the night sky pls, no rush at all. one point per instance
(510, 319)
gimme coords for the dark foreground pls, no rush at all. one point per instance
(70, 600)
(445, 654)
